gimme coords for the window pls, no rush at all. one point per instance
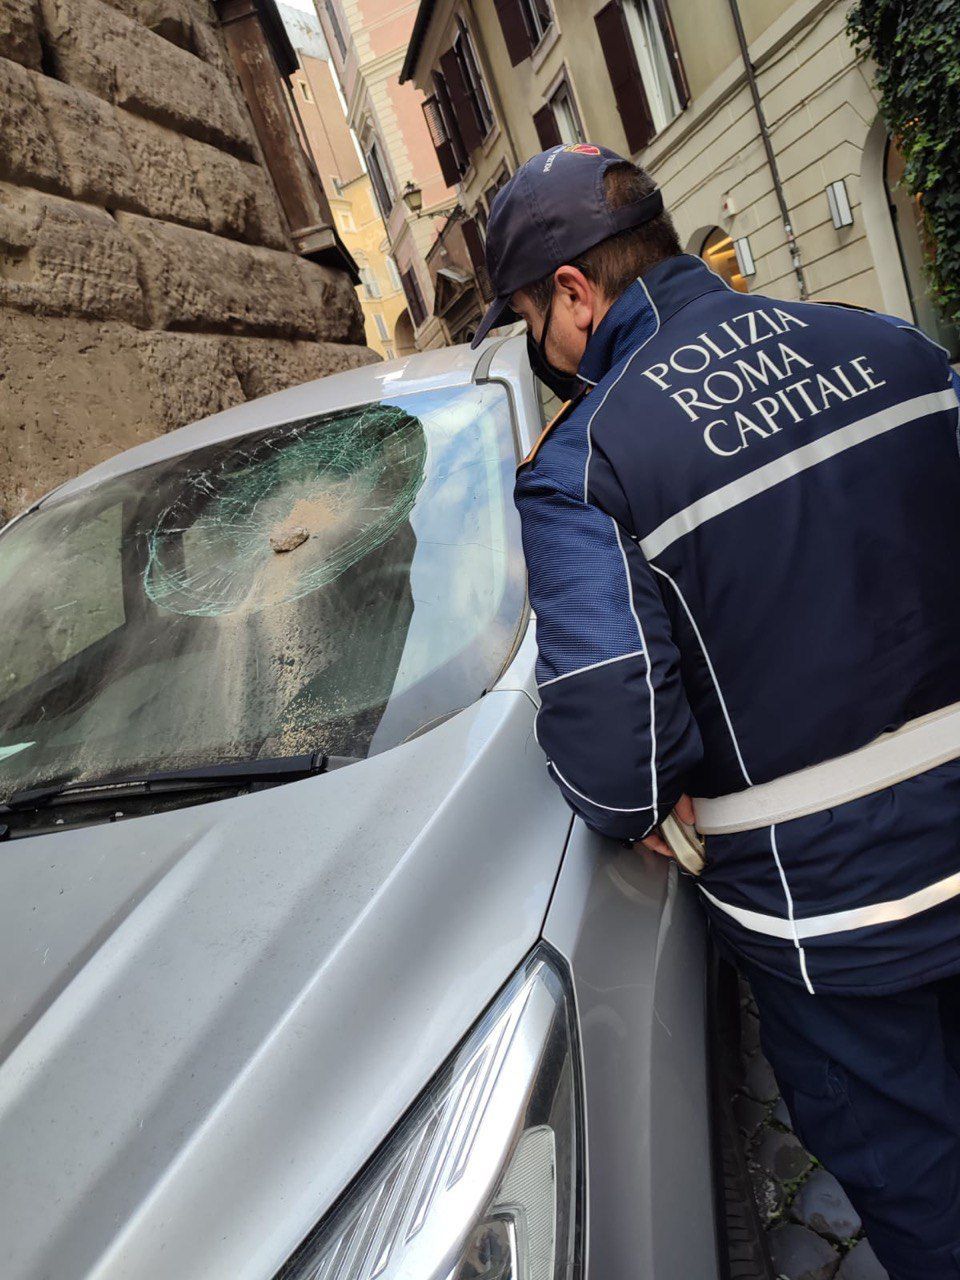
(558, 122)
(524, 24)
(393, 273)
(415, 303)
(718, 253)
(334, 20)
(643, 60)
(401, 607)
(305, 90)
(654, 61)
(380, 178)
(381, 327)
(345, 218)
(371, 285)
(499, 181)
(567, 116)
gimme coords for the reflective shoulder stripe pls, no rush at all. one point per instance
(791, 464)
(934, 895)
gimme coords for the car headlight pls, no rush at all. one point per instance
(482, 1180)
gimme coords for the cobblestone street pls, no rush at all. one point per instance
(813, 1231)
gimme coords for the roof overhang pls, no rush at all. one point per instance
(420, 25)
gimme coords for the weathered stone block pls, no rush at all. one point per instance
(58, 256)
(264, 366)
(336, 307)
(861, 1264)
(238, 198)
(88, 137)
(190, 375)
(195, 280)
(72, 393)
(27, 150)
(165, 182)
(19, 35)
(101, 49)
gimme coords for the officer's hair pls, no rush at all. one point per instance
(614, 263)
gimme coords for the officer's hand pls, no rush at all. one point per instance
(655, 841)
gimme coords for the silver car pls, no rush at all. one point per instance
(307, 970)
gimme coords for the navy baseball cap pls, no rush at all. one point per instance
(551, 210)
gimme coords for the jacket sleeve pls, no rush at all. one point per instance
(614, 721)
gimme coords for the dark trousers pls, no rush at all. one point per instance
(872, 1084)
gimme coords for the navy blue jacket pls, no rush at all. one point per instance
(743, 548)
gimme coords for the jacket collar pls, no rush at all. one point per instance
(642, 308)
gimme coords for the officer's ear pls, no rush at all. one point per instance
(577, 294)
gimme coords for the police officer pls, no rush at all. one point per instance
(743, 540)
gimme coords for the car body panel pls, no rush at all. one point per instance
(630, 927)
(213, 1016)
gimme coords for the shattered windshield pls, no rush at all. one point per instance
(333, 584)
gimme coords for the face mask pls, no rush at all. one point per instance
(562, 384)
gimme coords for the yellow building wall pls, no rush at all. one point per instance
(362, 231)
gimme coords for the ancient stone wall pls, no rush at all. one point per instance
(147, 277)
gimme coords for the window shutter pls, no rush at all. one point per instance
(624, 75)
(548, 131)
(460, 100)
(515, 33)
(441, 143)
(415, 302)
(478, 259)
(673, 49)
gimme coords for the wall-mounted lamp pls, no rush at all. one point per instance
(412, 197)
(839, 202)
(745, 260)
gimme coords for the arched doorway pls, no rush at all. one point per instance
(403, 335)
(718, 253)
(907, 218)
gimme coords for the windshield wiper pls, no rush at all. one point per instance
(266, 771)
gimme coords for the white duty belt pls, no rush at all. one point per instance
(912, 749)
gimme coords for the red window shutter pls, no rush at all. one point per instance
(460, 100)
(624, 72)
(478, 258)
(441, 143)
(515, 33)
(673, 49)
(545, 123)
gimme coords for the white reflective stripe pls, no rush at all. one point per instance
(914, 748)
(843, 921)
(789, 897)
(610, 808)
(649, 671)
(592, 666)
(791, 464)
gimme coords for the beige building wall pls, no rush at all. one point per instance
(147, 273)
(821, 111)
(326, 134)
(375, 34)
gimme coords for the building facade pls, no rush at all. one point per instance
(321, 114)
(676, 87)
(166, 250)
(368, 41)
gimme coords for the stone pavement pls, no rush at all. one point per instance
(813, 1231)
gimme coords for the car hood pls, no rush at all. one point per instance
(210, 1018)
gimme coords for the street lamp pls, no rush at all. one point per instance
(413, 197)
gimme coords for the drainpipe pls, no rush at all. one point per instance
(768, 148)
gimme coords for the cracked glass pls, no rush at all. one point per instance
(333, 584)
